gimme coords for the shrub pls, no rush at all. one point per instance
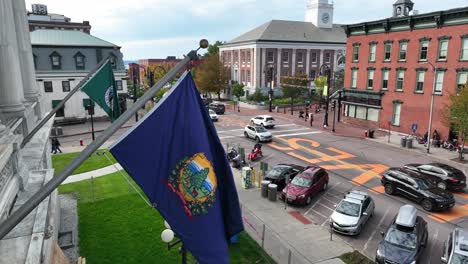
(257, 97)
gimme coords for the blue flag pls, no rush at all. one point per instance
(175, 156)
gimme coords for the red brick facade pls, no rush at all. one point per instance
(414, 100)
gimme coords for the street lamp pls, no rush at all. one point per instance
(269, 71)
(432, 106)
(326, 71)
(167, 236)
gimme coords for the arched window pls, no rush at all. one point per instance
(56, 61)
(79, 61)
(398, 11)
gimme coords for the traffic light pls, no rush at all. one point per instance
(333, 105)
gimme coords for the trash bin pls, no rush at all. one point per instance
(409, 142)
(246, 177)
(403, 142)
(371, 133)
(272, 192)
(264, 188)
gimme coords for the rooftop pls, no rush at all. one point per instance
(50, 37)
(292, 31)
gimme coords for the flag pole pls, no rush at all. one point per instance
(62, 103)
(17, 216)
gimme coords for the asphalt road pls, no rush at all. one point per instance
(353, 164)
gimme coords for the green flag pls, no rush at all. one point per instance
(101, 89)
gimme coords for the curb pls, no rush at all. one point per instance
(88, 132)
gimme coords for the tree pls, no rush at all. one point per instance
(238, 90)
(294, 87)
(320, 83)
(154, 72)
(456, 114)
(213, 48)
(339, 80)
(211, 76)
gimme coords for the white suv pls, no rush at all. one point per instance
(263, 120)
(260, 134)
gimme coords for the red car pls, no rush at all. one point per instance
(305, 185)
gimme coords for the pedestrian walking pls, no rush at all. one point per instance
(52, 143)
(306, 114)
(311, 119)
(56, 146)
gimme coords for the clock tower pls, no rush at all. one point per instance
(319, 13)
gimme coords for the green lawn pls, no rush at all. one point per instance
(92, 163)
(119, 227)
(355, 257)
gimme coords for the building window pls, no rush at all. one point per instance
(79, 61)
(314, 57)
(403, 48)
(420, 81)
(300, 58)
(113, 61)
(400, 79)
(56, 61)
(462, 79)
(270, 57)
(439, 82)
(312, 74)
(354, 75)
(229, 57)
(443, 49)
(285, 57)
(423, 48)
(48, 88)
(396, 114)
(35, 61)
(242, 76)
(327, 57)
(464, 49)
(118, 85)
(248, 56)
(370, 79)
(65, 86)
(385, 74)
(242, 57)
(248, 76)
(235, 57)
(388, 51)
(372, 50)
(355, 53)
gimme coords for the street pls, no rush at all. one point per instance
(353, 164)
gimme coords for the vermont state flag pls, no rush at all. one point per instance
(175, 156)
(101, 89)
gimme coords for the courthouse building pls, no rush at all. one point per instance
(287, 48)
(392, 64)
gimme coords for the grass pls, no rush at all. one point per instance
(92, 163)
(119, 227)
(355, 257)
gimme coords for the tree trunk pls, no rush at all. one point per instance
(292, 106)
(219, 96)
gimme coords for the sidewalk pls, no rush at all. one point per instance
(85, 128)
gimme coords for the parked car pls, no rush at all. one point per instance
(263, 120)
(352, 213)
(415, 186)
(260, 134)
(456, 247)
(207, 101)
(404, 239)
(219, 108)
(306, 185)
(280, 172)
(213, 115)
(442, 175)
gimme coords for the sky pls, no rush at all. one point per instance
(161, 28)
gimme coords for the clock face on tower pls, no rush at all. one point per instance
(325, 18)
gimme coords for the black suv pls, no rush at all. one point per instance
(280, 172)
(415, 186)
(404, 239)
(218, 108)
(442, 175)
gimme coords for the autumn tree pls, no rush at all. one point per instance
(154, 72)
(211, 76)
(456, 114)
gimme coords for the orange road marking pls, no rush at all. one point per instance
(378, 189)
(343, 155)
(453, 214)
(304, 158)
(293, 142)
(376, 169)
(274, 145)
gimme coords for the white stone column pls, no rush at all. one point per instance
(257, 67)
(293, 62)
(31, 92)
(11, 84)
(308, 63)
(322, 55)
(278, 69)
(335, 60)
(262, 70)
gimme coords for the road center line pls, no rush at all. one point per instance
(375, 230)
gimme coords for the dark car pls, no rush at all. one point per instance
(444, 176)
(218, 108)
(404, 239)
(415, 186)
(280, 172)
(306, 185)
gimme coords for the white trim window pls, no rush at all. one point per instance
(354, 76)
(372, 50)
(462, 79)
(423, 50)
(400, 80)
(370, 79)
(464, 49)
(396, 114)
(285, 57)
(388, 52)
(385, 74)
(420, 81)
(439, 82)
(443, 49)
(270, 57)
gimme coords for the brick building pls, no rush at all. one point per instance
(391, 65)
(287, 48)
(39, 18)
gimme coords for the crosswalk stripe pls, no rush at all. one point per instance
(297, 134)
